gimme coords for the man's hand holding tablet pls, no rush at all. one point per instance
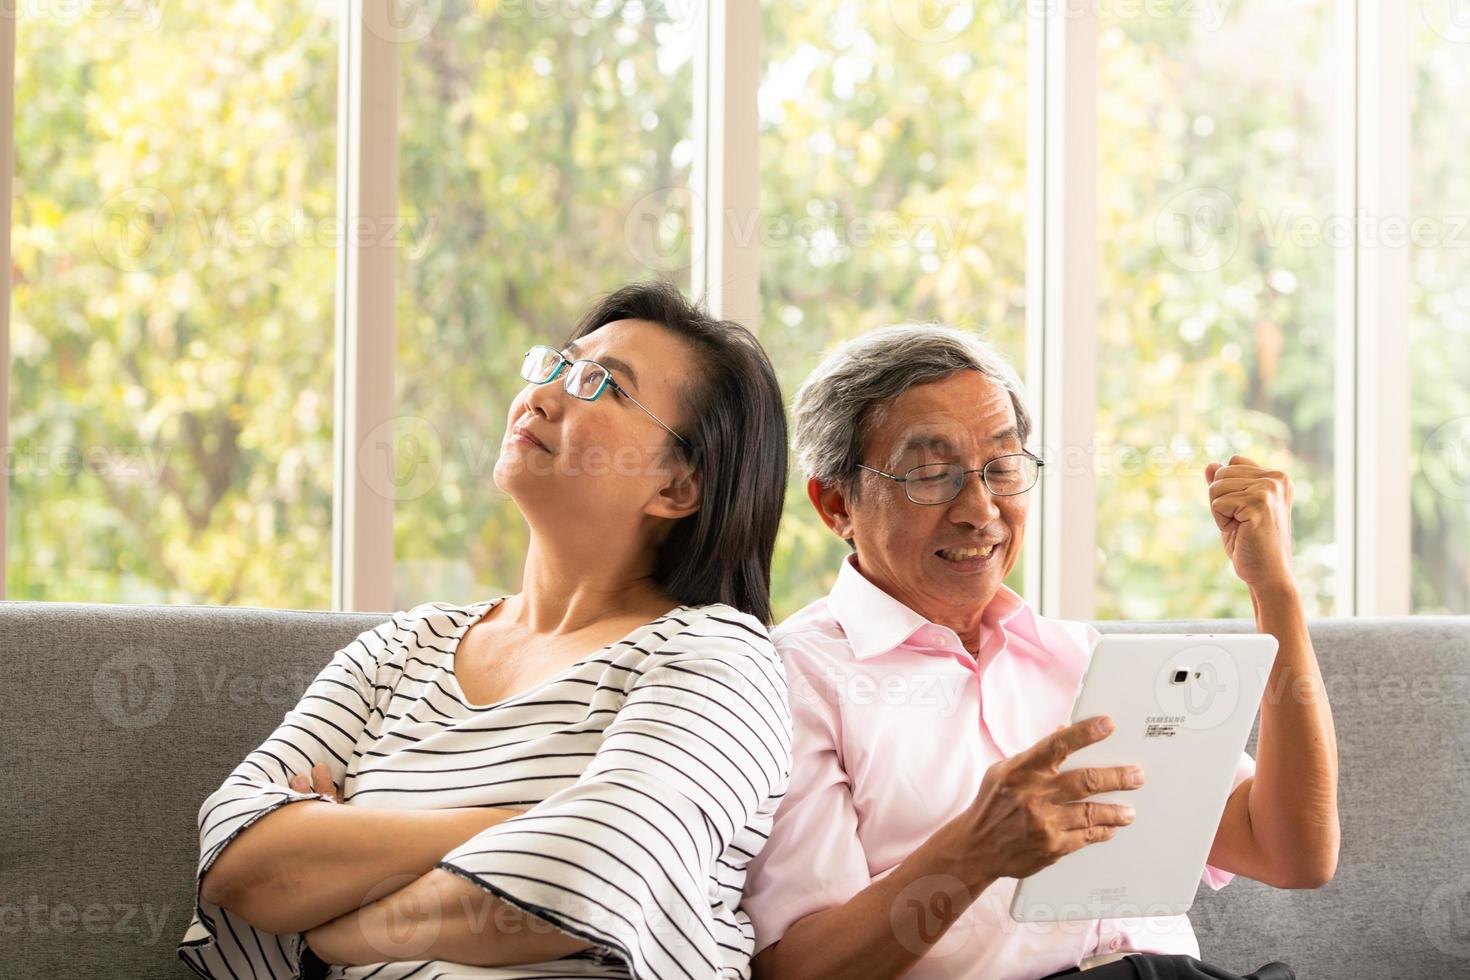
(1029, 813)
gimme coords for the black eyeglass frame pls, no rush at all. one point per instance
(959, 476)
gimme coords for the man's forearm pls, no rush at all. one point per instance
(441, 916)
(886, 928)
(1293, 798)
(310, 862)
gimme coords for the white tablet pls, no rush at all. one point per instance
(1183, 707)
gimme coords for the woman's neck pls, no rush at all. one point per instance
(565, 593)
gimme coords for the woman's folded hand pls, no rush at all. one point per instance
(320, 782)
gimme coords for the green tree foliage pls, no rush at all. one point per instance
(1439, 328)
(175, 239)
(171, 330)
(1216, 307)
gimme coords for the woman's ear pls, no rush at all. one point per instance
(680, 494)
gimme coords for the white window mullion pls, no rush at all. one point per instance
(1062, 305)
(367, 266)
(1345, 343)
(1035, 289)
(726, 181)
(7, 191)
(1374, 313)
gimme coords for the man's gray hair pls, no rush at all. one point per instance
(835, 407)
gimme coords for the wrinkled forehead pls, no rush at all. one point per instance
(938, 441)
(970, 421)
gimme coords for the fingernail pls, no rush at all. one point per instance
(1105, 726)
(1128, 813)
(1135, 776)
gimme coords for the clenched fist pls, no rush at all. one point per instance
(1252, 507)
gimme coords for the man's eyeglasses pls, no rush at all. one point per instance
(939, 483)
(585, 379)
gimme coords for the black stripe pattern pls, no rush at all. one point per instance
(648, 774)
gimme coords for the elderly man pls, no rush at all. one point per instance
(927, 697)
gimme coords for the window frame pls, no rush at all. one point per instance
(366, 310)
(1061, 305)
(1372, 385)
(7, 166)
(1372, 312)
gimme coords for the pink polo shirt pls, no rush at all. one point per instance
(895, 724)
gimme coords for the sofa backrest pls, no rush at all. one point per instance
(122, 719)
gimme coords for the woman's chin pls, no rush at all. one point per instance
(511, 477)
(539, 490)
(517, 467)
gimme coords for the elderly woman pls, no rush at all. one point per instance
(927, 696)
(570, 780)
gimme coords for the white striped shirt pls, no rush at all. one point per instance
(648, 773)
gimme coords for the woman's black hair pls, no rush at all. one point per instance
(735, 425)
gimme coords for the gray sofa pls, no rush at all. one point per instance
(120, 720)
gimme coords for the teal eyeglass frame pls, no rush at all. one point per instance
(607, 379)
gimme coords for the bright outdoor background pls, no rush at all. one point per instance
(174, 245)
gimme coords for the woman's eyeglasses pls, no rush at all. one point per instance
(585, 379)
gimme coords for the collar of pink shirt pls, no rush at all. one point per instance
(876, 623)
(1020, 656)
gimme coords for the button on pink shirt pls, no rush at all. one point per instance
(895, 725)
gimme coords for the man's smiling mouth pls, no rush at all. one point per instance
(965, 554)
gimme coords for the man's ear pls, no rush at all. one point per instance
(680, 496)
(831, 504)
